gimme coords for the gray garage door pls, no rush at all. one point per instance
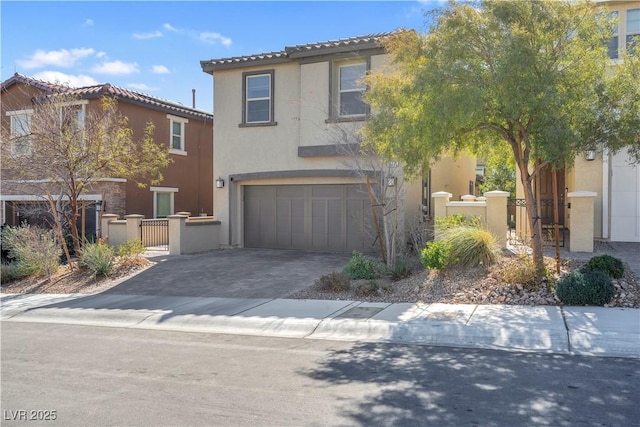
(310, 217)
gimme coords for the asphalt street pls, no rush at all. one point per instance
(94, 376)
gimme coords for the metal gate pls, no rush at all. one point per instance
(154, 233)
(518, 224)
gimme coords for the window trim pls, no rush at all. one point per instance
(634, 35)
(183, 137)
(614, 15)
(334, 90)
(245, 77)
(163, 190)
(12, 115)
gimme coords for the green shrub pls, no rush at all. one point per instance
(11, 271)
(362, 267)
(457, 220)
(610, 265)
(130, 248)
(436, 255)
(590, 287)
(334, 282)
(36, 250)
(471, 246)
(98, 258)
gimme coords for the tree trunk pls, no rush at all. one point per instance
(533, 216)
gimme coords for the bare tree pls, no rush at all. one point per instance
(62, 147)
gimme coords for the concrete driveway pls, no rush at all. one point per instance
(237, 273)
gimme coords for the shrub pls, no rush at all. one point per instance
(369, 288)
(457, 220)
(130, 248)
(362, 267)
(471, 246)
(610, 265)
(36, 250)
(334, 282)
(436, 255)
(590, 287)
(522, 270)
(11, 271)
(98, 258)
(401, 268)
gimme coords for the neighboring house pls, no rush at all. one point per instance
(614, 179)
(280, 118)
(188, 181)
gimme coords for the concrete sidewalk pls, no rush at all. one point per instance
(593, 331)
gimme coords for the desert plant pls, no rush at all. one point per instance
(589, 287)
(369, 288)
(402, 268)
(435, 256)
(522, 270)
(36, 250)
(610, 265)
(98, 258)
(362, 267)
(471, 246)
(11, 271)
(457, 220)
(334, 282)
(130, 249)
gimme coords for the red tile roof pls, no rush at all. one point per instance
(122, 94)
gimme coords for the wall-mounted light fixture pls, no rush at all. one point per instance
(391, 182)
(590, 154)
(219, 182)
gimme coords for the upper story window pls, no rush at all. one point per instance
(352, 89)
(633, 30)
(257, 92)
(177, 128)
(613, 41)
(20, 131)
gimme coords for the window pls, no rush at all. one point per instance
(177, 128)
(20, 131)
(163, 201)
(613, 41)
(351, 89)
(633, 29)
(258, 98)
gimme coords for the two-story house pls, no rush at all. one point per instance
(280, 120)
(613, 177)
(186, 131)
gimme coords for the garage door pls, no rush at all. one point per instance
(310, 217)
(625, 199)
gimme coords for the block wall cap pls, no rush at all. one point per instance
(496, 193)
(582, 194)
(134, 216)
(441, 194)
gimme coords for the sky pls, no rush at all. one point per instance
(155, 47)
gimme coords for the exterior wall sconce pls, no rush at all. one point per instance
(590, 154)
(391, 182)
(219, 182)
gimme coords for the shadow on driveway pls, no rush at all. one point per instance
(237, 273)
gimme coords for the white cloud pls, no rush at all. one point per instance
(101, 55)
(88, 22)
(147, 36)
(116, 68)
(170, 27)
(214, 38)
(141, 87)
(64, 58)
(160, 69)
(66, 79)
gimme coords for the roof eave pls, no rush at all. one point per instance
(209, 67)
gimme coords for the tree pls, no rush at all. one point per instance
(532, 75)
(500, 172)
(62, 149)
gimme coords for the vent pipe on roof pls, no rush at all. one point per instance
(193, 97)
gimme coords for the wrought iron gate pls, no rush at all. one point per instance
(518, 224)
(154, 233)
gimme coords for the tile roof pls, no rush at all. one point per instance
(298, 51)
(120, 93)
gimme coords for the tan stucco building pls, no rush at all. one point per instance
(282, 121)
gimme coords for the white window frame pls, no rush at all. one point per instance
(246, 99)
(614, 15)
(635, 35)
(27, 145)
(163, 190)
(183, 128)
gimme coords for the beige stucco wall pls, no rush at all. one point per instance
(453, 175)
(587, 176)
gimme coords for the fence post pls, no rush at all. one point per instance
(581, 221)
(177, 224)
(497, 215)
(440, 200)
(104, 225)
(133, 226)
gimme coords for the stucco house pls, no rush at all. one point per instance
(188, 180)
(284, 180)
(613, 178)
